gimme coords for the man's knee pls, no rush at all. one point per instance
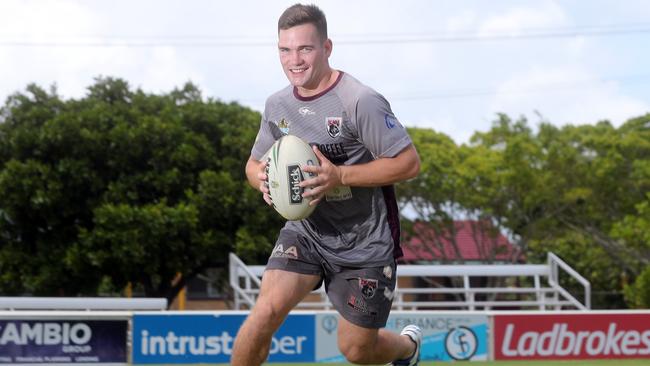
(357, 354)
(268, 316)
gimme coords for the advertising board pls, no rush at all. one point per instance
(571, 336)
(42, 341)
(208, 338)
(446, 336)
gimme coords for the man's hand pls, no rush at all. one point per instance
(256, 173)
(264, 185)
(328, 177)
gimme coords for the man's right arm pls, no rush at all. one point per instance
(256, 177)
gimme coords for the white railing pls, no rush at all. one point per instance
(81, 303)
(555, 264)
(245, 282)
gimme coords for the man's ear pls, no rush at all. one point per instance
(328, 47)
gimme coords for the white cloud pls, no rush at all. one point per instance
(421, 80)
(542, 15)
(566, 95)
(167, 71)
(462, 22)
(31, 21)
(73, 68)
(44, 19)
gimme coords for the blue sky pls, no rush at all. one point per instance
(447, 65)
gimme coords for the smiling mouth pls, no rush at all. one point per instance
(298, 71)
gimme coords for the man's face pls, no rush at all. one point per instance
(304, 56)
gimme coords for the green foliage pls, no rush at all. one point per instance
(578, 191)
(638, 293)
(123, 186)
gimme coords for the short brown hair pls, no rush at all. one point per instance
(299, 14)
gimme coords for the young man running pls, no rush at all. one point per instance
(351, 240)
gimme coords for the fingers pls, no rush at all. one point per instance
(262, 169)
(325, 177)
(322, 160)
(319, 154)
(264, 183)
(315, 201)
(267, 199)
(264, 188)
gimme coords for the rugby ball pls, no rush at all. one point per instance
(284, 172)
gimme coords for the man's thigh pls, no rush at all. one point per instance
(295, 253)
(293, 271)
(281, 290)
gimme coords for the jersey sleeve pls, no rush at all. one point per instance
(378, 128)
(264, 139)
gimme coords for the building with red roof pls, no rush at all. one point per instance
(467, 241)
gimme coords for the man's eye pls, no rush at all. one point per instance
(306, 50)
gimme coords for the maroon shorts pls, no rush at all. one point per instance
(363, 296)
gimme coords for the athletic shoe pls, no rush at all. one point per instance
(415, 333)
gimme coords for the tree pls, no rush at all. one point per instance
(571, 186)
(123, 186)
(578, 191)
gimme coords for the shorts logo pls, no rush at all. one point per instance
(368, 287)
(388, 272)
(359, 305)
(280, 252)
(334, 126)
(388, 294)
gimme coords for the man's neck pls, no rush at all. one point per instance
(327, 81)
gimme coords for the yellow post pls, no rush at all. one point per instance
(181, 299)
(129, 290)
(181, 294)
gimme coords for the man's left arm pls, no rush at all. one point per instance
(379, 172)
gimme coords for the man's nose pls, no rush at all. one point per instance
(295, 57)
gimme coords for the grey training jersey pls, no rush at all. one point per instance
(351, 124)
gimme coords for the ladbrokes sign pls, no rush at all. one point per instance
(571, 336)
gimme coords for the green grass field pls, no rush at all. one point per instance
(636, 362)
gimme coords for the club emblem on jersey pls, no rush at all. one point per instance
(283, 125)
(334, 126)
(368, 287)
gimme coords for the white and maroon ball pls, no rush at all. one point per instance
(284, 172)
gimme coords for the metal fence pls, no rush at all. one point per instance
(455, 287)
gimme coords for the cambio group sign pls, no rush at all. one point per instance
(42, 341)
(572, 336)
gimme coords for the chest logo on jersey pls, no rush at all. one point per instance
(305, 111)
(334, 126)
(283, 125)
